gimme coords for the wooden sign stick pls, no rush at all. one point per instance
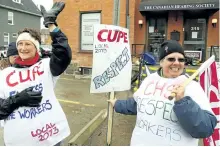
(110, 118)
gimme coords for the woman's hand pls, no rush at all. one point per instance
(112, 101)
(179, 92)
(51, 15)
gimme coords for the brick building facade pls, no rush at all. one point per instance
(192, 24)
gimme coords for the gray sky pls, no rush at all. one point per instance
(46, 3)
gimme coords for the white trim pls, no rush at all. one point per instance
(15, 35)
(88, 19)
(218, 116)
(214, 104)
(11, 17)
(17, 1)
(6, 36)
(217, 142)
(217, 126)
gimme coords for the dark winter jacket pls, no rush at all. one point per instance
(202, 126)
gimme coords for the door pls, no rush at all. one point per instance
(195, 35)
(156, 34)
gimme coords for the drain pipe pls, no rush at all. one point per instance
(127, 15)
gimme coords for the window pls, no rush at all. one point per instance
(14, 35)
(6, 38)
(86, 29)
(156, 34)
(10, 18)
(194, 29)
(195, 35)
(17, 1)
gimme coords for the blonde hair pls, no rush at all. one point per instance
(4, 63)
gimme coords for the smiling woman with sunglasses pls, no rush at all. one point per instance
(160, 121)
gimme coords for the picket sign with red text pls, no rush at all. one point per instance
(209, 80)
(156, 122)
(112, 65)
(45, 125)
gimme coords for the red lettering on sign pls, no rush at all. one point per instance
(45, 132)
(159, 87)
(100, 35)
(117, 36)
(146, 89)
(24, 76)
(21, 76)
(168, 92)
(10, 83)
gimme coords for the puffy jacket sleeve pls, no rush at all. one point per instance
(127, 107)
(61, 53)
(6, 108)
(194, 112)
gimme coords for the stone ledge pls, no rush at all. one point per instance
(80, 138)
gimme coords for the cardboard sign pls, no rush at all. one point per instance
(156, 123)
(194, 54)
(31, 126)
(112, 65)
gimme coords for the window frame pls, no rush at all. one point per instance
(12, 18)
(8, 37)
(199, 43)
(17, 1)
(154, 49)
(80, 30)
(15, 36)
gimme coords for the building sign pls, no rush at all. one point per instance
(194, 54)
(146, 7)
(87, 22)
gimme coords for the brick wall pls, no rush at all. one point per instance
(213, 33)
(175, 22)
(69, 22)
(139, 32)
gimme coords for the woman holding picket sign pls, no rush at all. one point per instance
(36, 116)
(161, 121)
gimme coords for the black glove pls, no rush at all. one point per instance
(26, 97)
(51, 15)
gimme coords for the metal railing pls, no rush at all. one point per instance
(134, 52)
(214, 50)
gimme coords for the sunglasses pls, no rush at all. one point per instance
(174, 59)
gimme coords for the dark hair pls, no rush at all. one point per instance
(12, 49)
(34, 33)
